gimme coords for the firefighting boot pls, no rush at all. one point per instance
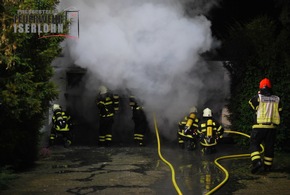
(101, 144)
(52, 139)
(136, 142)
(108, 144)
(67, 143)
(51, 142)
(267, 168)
(212, 149)
(257, 164)
(206, 150)
(181, 146)
(190, 146)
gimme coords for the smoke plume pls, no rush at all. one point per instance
(153, 48)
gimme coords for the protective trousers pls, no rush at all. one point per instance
(105, 131)
(65, 135)
(266, 136)
(139, 131)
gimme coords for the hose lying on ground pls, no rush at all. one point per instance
(216, 161)
(165, 161)
(229, 157)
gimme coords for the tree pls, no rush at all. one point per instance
(26, 89)
(256, 50)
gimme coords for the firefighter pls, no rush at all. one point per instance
(187, 130)
(209, 131)
(107, 106)
(61, 126)
(140, 121)
(267, 109)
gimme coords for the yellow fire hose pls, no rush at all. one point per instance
(229, 157)
(165, 161)
(216, 161)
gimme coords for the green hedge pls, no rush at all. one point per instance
(263, 52)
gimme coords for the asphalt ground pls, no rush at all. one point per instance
(139, 170)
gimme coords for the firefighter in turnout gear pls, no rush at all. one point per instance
(209, 131)
(107, 105)
(187, 130)
(267, 109)
(61, 122)
(140, 121)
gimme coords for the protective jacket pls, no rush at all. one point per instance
(61, 121)
(267, 108)
(187, 130)
(106, 105)
(61, 127)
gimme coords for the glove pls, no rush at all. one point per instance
(219, 137)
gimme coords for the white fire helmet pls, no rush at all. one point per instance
(56, 107)
(103, 89)
(207, 113)
(193, 109)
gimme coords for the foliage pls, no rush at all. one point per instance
(259, 49)
(6, 175)
(26, 89)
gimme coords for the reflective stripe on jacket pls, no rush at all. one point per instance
(105, 104)
(267, 112)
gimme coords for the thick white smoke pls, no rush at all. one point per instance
(150, 47)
